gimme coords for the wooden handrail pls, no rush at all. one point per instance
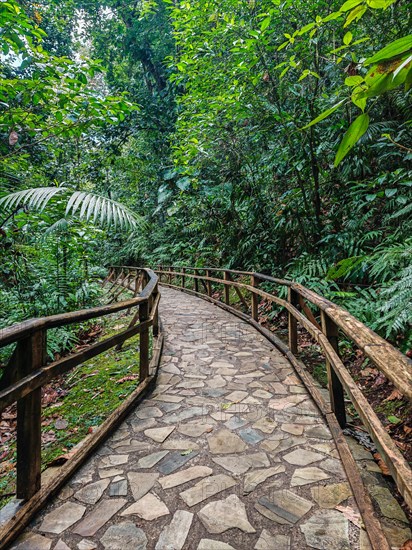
(390, 361)
(27, 371)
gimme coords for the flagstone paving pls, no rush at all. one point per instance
(229, 452)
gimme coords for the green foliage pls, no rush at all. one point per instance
(269, 136)
(89, 205)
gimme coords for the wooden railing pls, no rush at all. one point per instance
(324, 321)
(28, 370)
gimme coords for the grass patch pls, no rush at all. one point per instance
(85, 397)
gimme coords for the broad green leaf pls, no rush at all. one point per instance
(357, 97)
(402, 66)
(379, 4)
(350, 4)
(324, 115)
(353, 80)
(352, 136)
(265, 23)
(355, 14)
(347, 39)
(394, 49)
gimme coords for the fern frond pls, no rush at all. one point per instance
(90, 205)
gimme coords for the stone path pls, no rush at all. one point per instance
(229, 452)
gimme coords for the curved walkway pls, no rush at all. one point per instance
(228, 452)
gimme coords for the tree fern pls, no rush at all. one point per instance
(88, 206)
(397, 305)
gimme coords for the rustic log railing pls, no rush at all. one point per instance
(28, 370)
(215, 285)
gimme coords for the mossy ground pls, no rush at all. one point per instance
(90, 393)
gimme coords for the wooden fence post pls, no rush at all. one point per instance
(183, 277)
(144, 342)
(196, 281)
(226, 277)
(31, 355)
(156, 313)
(208, 284)
(293, 299)
(254, 281)
(336, 393)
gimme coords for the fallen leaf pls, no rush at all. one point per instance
(127, 378)
(381, 379)
(407, 545)
(394, 395)
(48, 437)
(6, 467)
(381, 464)
(62, 459)
(61, 424)
(370, 372)
(407, 430)
(350, 514)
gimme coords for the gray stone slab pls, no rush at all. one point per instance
(159, 434)
(304, 476)
(90, 494)
(185, 414)
(83, 545)
(210, 544)
(99, 516)
(61, 518)
(184, 476)
(174, 535)
(118, 488)
(318, 432)
(250, 436)
(267, 541)
(124, 535)
(113, 460)
(221, 515)
(207, 488)
(302, 457)
(112, 472)
(141, 483)
(213, 392)
(195, 429)
(149, 508)
(241, 464)
(141, 425)
(149, 461)
(283, 507)
(329, 496)
(175, 461)
(327, 529)
(255, 478)
(225, 442)
(266, 425)
(235, 423)
(32, 541)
